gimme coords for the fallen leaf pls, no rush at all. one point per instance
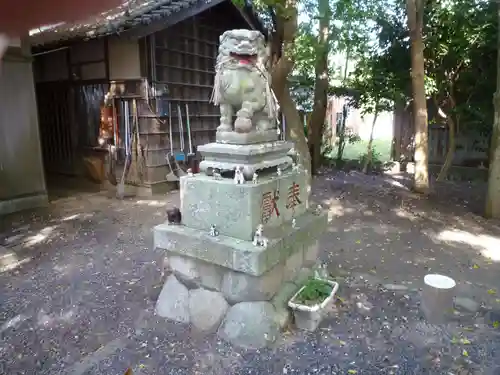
(475, 266)
(352, 371)
(358, 241)
(465, 353)
(465, 341)
(492, 291)
(496, 324)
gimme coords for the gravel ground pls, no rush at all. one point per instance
(78, 283)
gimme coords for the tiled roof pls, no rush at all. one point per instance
(130, 14)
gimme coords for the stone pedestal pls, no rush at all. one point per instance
(232, 137)
(225, 283)
(251, 157)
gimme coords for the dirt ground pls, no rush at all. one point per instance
(78, 283)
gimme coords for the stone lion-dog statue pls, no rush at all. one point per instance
(242, 83)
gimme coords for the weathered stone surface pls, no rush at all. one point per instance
(173, 302)
(236, 210)
(311, 254)
(238, 286)
(194, 273)
(246, 138)
(250, 325)
(206, 309)
(467, 304)
(293, 265)
(280, 303)
(240, 255)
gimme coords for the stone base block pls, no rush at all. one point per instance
(238, 286)
(252, 158)
(246, 138)
(237, 210)
(220, 283)
(249, 324)
(204, 309)
(238, 255)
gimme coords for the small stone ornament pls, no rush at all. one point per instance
(294, 223)
(239, 179)
(278, 171)
(190, 172)
(318, 210)
(258, 238)
(216, 174)
(255, 178)
(321, 272)
(213, 231)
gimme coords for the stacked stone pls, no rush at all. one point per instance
(225, 281)
(244, 309)
(248, 239)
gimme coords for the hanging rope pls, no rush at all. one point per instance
(216, 91)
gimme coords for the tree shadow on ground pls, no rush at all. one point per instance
(381, 228)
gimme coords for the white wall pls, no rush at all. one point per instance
(22, 181)
(383, 126)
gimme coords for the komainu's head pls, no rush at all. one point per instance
(242, 47)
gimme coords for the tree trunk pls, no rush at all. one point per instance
(369, 152)
(450, 153)
(283, 66)
(296, 131)
(415, 10)
(341, 136)
(493, 195)
(317, 120)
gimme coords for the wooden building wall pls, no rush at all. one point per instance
(71, 84)
(181, 59)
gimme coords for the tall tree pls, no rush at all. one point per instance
(493, 195)
(281, 17)
(460, 51)
(415, 14)
(321, 85)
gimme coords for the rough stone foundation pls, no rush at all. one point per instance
(223, 281)
(246, 310)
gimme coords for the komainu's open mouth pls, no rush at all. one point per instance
(243, 58)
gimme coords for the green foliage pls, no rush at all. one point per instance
(349, 35)
(460, 61)
(315, 291)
